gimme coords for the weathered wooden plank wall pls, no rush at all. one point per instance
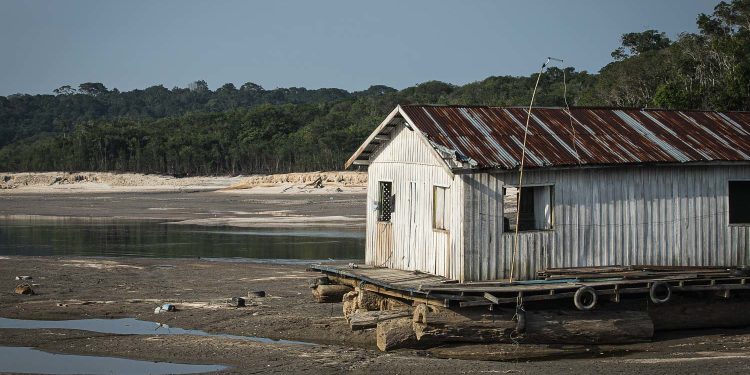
(676, 215)
(410, 164)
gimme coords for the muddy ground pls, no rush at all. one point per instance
(78, 287)
(75, 288)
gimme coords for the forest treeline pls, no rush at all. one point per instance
(231, 130)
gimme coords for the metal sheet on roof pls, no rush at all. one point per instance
(492, 136)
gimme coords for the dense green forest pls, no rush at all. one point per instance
(191, 131)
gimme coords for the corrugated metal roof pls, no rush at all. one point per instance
(493, 136)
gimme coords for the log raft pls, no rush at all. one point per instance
(610, 284)
(623, 305)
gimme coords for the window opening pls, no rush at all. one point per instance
(535, 208)
(439, 207)
(386, 201)
(739, 202)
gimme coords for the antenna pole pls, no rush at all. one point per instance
(514, 256)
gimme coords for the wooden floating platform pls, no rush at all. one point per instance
(554, 284)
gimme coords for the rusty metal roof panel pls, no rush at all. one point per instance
(493, 136)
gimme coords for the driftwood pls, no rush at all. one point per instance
(395, 334)
(695, 313)
(543, 327)
(370, 319)
(330, 293)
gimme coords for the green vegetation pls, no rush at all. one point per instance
(189, 131)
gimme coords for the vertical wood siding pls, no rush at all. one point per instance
(676, 216)
(383, 245)
(412, 167)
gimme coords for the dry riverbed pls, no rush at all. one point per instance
(81, 288)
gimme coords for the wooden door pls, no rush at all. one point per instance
(384, 244)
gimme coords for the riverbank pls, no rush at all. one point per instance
(80, 288)
(300, 200)
(309, 183)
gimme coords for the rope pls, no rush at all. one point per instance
(520, 175)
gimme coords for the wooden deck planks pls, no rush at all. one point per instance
(422, 286)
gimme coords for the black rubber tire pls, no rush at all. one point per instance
(580, 298)
(654, 292)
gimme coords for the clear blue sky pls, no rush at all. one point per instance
(347, 44)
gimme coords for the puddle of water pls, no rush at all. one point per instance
(32, 361)
(128, 326)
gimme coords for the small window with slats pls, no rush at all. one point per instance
(386, 201)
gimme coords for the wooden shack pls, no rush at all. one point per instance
(601, 187)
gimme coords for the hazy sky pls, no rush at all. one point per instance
(347, 44)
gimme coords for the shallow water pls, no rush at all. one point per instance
(112, 237)
(127, 326)
(32, 361)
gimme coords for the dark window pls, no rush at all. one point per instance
(739, 202)
(386, 201)
(535, 208)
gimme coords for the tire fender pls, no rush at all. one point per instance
(585, 298)
(660, 292)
